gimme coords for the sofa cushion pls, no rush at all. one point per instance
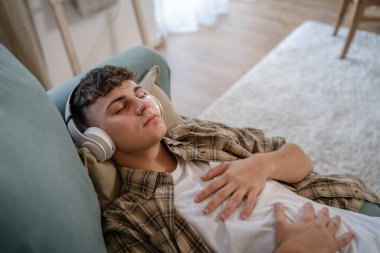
(48, 203)
(104, 175)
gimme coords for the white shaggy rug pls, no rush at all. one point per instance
(301, 90)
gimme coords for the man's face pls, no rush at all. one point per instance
(128, 117)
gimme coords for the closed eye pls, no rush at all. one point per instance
(124, 106)
(121, 103)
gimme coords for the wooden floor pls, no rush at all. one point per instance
(205, 64)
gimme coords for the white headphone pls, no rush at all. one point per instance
(96, 139)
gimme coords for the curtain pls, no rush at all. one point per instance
(19, 35)
(173, 16)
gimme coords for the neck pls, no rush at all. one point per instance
(157, 158)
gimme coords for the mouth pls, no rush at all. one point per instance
(150, 120)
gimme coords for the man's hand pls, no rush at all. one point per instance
(237, 179)
(246, 178)
(312, 234)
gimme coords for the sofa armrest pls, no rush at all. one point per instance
(48, 202)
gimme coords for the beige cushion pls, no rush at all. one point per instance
(105, 177)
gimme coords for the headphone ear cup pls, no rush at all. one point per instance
(99, 143)
(159, 104)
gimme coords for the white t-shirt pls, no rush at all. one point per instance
(256, 234)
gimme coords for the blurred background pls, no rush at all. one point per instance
(208, 44)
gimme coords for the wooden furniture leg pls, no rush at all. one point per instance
(64, 30)
(358, 13)
(341, 12)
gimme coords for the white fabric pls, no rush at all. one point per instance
(173, 16)
(302, 90)
(257, 233)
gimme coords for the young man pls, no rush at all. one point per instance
(177, 196)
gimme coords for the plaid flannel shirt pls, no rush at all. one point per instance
(143, 218)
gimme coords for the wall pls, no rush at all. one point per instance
(96, 37)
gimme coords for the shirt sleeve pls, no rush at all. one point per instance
(235, 140)
(255, 140)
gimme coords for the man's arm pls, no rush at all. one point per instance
(247, 177)
(309, 234)
(288, 164)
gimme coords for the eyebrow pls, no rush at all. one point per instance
(123, 97)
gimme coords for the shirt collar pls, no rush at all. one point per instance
(168, 141)
(143, 182)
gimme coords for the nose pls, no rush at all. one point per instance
(141, 105)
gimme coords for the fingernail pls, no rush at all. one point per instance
(244, 217)
(206, 211)
(223, 217)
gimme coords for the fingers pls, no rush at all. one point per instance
(333, 228)
(333, 225)
(232, 181)
(236, 196)
(250, 204)
(219, 197)
(279, 215)
(343, 240)
(212, 188)
(214, 172)
(311, 232)
(309, 212)
(233, 202)
(323, 217)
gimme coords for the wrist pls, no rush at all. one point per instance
(266, 163)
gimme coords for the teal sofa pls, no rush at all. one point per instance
(47, 201)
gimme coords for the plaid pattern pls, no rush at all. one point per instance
(210, 141)
(341, 191)
(144, 219)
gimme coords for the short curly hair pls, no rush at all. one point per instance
(98, 82)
